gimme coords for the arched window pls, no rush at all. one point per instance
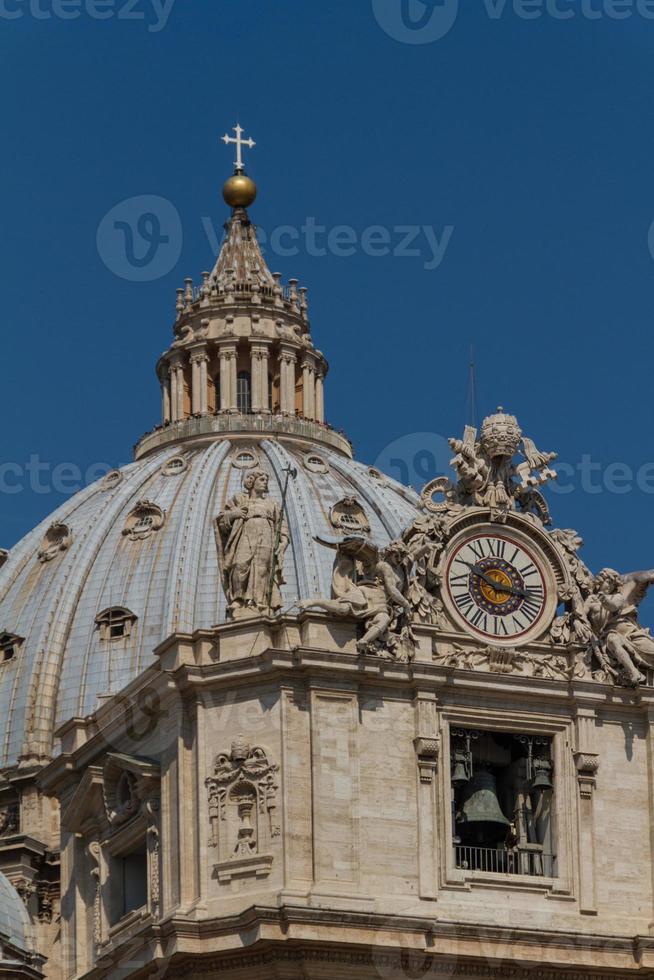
(244, 392)
(115, 623)
(10, 645)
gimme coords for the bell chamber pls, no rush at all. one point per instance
(502, 793)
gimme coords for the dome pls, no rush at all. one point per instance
(88, 596)
(140, 546)
(15, 926)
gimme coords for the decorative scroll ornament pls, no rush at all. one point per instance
(490, 474)
(372, 584)
(129, 786)
(242, 790)
(58, 538)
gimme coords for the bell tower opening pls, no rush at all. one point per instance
(502, 803)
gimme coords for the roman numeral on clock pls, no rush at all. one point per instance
(465, 602)
(499, 626)
(496, 548)
(477, 548)
(480, 620)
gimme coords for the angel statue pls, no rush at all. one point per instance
(368, 584)
(252, 538)
(612, 611)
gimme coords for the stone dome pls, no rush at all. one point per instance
(15, 928)
(139, 547)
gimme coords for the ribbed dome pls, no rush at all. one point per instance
(80, 563)
(14, 921)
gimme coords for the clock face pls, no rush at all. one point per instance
(497, 586)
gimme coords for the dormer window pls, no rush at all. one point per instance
(349, 517)
(244, 460)
(115, 624)
(3, 556)
(175, 466)
(10, 645)
(145, 519)
(315, 463)
(112, 479)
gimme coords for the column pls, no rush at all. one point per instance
(287, 378)
(165, 399)
(224, 383)
(255, 375)
(204, 385)
(195, 385)
(320, 397)
(260, 384)
(199, 381)
(307, 409)
(233, 402)
(174, 401)
(228, 377)
(180, 390)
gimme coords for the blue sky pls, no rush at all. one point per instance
(516, 151)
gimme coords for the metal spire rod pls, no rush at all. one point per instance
(291, 473)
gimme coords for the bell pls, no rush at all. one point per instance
(482, 821)
(542, 780)
(459, 775)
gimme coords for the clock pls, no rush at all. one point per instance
(498, 585)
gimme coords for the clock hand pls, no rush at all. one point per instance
(496, 586)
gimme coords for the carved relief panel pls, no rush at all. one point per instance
(242, 796)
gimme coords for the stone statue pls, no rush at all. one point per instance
(489, 474)
(252, 538)
(601, 615)
(612, 611)
(426, 539)
(370, 584)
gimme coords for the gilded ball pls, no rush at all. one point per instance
(239, 191)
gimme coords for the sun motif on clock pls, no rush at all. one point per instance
(498, 586)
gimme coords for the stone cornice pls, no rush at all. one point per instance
(359, 942)
(188, 664)
(211, 427)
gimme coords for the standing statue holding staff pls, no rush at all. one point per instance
(252, 539)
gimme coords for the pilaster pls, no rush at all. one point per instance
(427, 744)
(587, 762)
